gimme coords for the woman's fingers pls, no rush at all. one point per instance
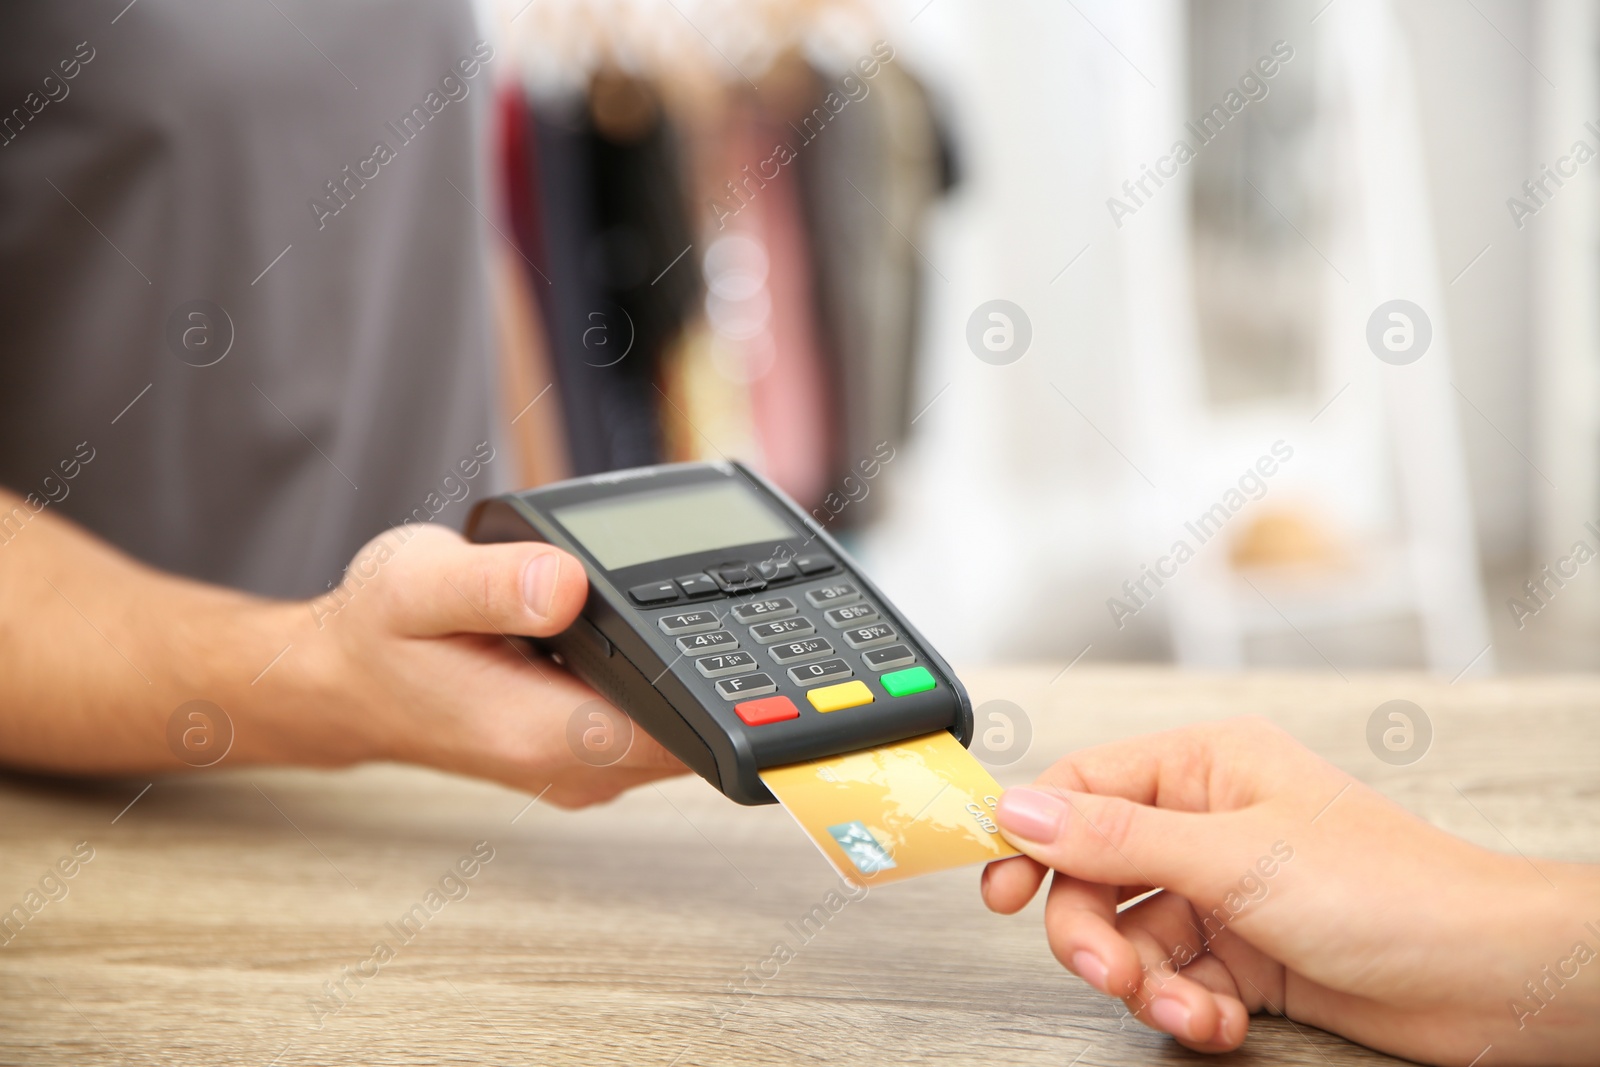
(1170, 999)
(1212, 767)
(1258, 979)
(1010, 883)
(1187, 992)
(1152, 955)
(1115, 841)
(1167, 920)
(1214, 975)
(1193, 811)
(1080, 922)
(1232, 1024)
(1179, 809)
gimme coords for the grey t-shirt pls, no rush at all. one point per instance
(271, 334)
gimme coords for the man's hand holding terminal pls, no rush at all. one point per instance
(415, 656)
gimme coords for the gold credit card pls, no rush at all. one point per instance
(895, 811)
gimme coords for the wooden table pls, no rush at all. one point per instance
(218, 905)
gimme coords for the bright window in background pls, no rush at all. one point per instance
(1258, 200)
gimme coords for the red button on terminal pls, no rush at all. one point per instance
(768, 709)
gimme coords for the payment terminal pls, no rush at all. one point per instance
(728, 624)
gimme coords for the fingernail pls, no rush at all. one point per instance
(1088, 967)
(1171, 1016)
(1030, 814)
(539, 583)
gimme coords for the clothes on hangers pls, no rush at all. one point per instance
(760, 318)
(604, 222)
(800, 356)
(535, 429)
(869, 178)
(792, 402)
(638, 249)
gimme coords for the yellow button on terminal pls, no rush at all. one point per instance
(839, 697)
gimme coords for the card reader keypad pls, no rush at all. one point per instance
(852, 615)
(745, 686)
(689, 622)
(874, 636)
(766, 633)
(835, 593)
(887, 659)
(786, 663)
(654, 593)
(800, 651)
(700, 644)
(724, 664)
(698, 585)
(764, 610)
(829, 670)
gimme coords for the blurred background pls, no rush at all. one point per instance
(1227, 332)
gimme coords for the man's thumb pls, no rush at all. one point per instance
(440, 584)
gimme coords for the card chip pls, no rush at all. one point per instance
(862, 848)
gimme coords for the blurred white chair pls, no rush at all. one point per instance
(1567, 276)
(1385, 459)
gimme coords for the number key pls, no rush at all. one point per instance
(767, 632)
(800, 651)
(720, 666)
(688, 622)
(879, 633)
(831, 595)
(764, 610)
(700, 644)
(854, 615)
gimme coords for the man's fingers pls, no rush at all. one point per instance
(432, 582)
(1115, 841)
(647, 756)
(582, 787)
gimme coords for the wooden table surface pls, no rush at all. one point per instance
(218, 908)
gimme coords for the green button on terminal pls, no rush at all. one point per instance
(904, 683)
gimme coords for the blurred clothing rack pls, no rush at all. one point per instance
(716, 208)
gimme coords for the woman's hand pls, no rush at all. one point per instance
(1289, 887)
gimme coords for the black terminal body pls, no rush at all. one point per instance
(727, 623)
